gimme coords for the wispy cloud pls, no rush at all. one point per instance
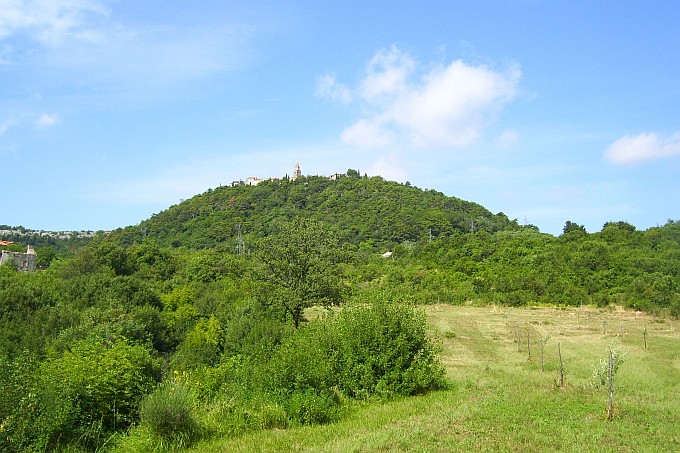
(131, 62)
(387, 74)
(328, 86)
(6, 124)
(635, 149)
(46, 120)
(49, 21)
(368, 133)
(389, 167)
(153, 60)
(508, 138)
(445, 106)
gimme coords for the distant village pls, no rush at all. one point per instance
(52, 234)
(254, 180)
(27, 261)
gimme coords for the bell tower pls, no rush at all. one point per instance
(296, 171)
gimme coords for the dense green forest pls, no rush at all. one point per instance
(370, 212)
(219, 315)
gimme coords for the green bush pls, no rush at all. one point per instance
(383, 349)
(201, 347)
(82, 396)
(17, 381)
(168, 413)
(363, 351)
(303, 361)
(311, 407)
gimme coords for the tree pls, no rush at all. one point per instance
(573, 230)
(299, 265)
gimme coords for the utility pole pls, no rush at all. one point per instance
(240, 245)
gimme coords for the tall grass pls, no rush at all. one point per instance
(169, 414)
(499, 400)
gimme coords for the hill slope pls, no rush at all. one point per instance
(366, 210)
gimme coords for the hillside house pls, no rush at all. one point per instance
(25, 262)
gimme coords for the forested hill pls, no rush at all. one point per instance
(369, 211)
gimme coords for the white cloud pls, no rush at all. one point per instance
(111, 56)
(448, 106)
(6, 124)
(634, 149)
(387, 73)
(46, 120)
(48, 21)
(390, 168)
(367, 133)
(508, 138)
(328, 86)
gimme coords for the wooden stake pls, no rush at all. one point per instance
(528, 344)
(610, 408)
(559, 353)
(542, 356)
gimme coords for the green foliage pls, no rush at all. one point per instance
(17, 381)
(254, 330)
(201, 347)
(82, 341)
(601, 372)
(82, 396)
(364, 208)
(383, 349)
(572, 231)
(300, 266)
(312, 407)
(169, 414)
(179, 312)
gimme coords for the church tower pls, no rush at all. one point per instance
(296, 171)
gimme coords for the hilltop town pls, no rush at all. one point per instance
(297, 173)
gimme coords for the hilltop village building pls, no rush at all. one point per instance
(25, 262)
(297, 173)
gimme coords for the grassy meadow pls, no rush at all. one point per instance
(500, 398)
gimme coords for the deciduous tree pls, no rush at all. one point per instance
(300, 265)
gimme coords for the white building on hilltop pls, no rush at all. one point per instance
(296, 171)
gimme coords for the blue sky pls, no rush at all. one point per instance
(548, 111)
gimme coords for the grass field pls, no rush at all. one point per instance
(500, 399)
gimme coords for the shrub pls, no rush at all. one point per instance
(364, 350)
(273, 415)
(168, 413)
(383, 349)
(202, 345)
(310, 407)
(84, 395)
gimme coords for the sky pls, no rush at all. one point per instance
(545, 110)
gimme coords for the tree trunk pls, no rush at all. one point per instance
(610, 408)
